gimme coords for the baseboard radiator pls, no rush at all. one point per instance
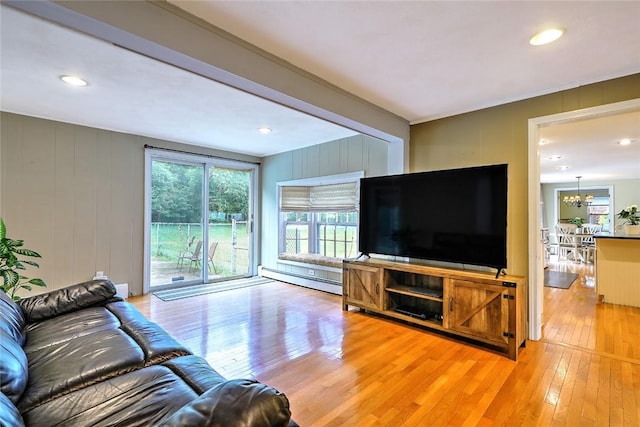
(318, 283)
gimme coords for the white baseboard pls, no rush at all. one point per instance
(301, 281)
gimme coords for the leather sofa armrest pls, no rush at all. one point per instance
(235, 403)
(65, 300)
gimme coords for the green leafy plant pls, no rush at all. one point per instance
(11, 266)
(577, 221)
(630, 215)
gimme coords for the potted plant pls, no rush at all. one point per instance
(11, 266)
(632, 219)
(577, 221)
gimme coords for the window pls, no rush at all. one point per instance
(319, 217)
(598, 212)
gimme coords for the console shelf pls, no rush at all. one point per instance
(417, 292)
(468, 304)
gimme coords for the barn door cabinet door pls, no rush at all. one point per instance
(482, 310)
(362, 287)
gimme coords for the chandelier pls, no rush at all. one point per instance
(576, 200)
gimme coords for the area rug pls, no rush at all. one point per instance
(559, 279)
(210, 288)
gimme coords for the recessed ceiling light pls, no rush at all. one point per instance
(73, 80)
(563, 167)
(547, 36)
(264, 131)
(555, 158)
(625, 141)
(543, 142)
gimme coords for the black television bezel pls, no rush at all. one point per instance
(399, 177)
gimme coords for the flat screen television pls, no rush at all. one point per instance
(456, 215)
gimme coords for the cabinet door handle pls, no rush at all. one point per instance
(451, 303)
(378, 288)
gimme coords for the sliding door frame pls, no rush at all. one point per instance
(206, 162)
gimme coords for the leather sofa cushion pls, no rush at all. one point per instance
(140, 398)
(68, 326)
(9, 414)
(12, 320)
(67, 299)
(155, 342)
(13, 367)
(78, 363)
(196, 372)
(235, 403)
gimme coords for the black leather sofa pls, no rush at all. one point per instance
(83, 356)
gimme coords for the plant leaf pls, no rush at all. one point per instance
(10, 277)
(14, 243)
(31, 263)
(3, 229)
(38, 282)
(28, 252)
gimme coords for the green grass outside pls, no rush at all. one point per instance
(170, 240)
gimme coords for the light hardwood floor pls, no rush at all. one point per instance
(348, 368)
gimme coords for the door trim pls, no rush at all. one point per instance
(206, 161)
(536, 257)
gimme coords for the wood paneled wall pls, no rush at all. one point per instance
(500, 135)
(76, 195)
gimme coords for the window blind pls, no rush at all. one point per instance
(319, 198)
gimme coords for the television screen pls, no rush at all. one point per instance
(456, 215)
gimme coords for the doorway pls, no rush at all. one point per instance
(199, 215)
(536, 247)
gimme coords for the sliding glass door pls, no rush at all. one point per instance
(176, 233)
(199, 220)
(230, 222)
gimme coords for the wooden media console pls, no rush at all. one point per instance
(470, 304)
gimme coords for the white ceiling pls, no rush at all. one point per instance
(131, 93)
(590, 149)
(420, 60)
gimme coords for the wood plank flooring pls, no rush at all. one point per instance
(348, 368)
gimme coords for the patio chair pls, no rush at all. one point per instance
(186, 253)
(212, 252)
(193, 258)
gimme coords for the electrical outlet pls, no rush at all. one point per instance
(311, 272)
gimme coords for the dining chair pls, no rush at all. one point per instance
(591, 228)
(546, 242)
(588, 240)
(567, 242)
